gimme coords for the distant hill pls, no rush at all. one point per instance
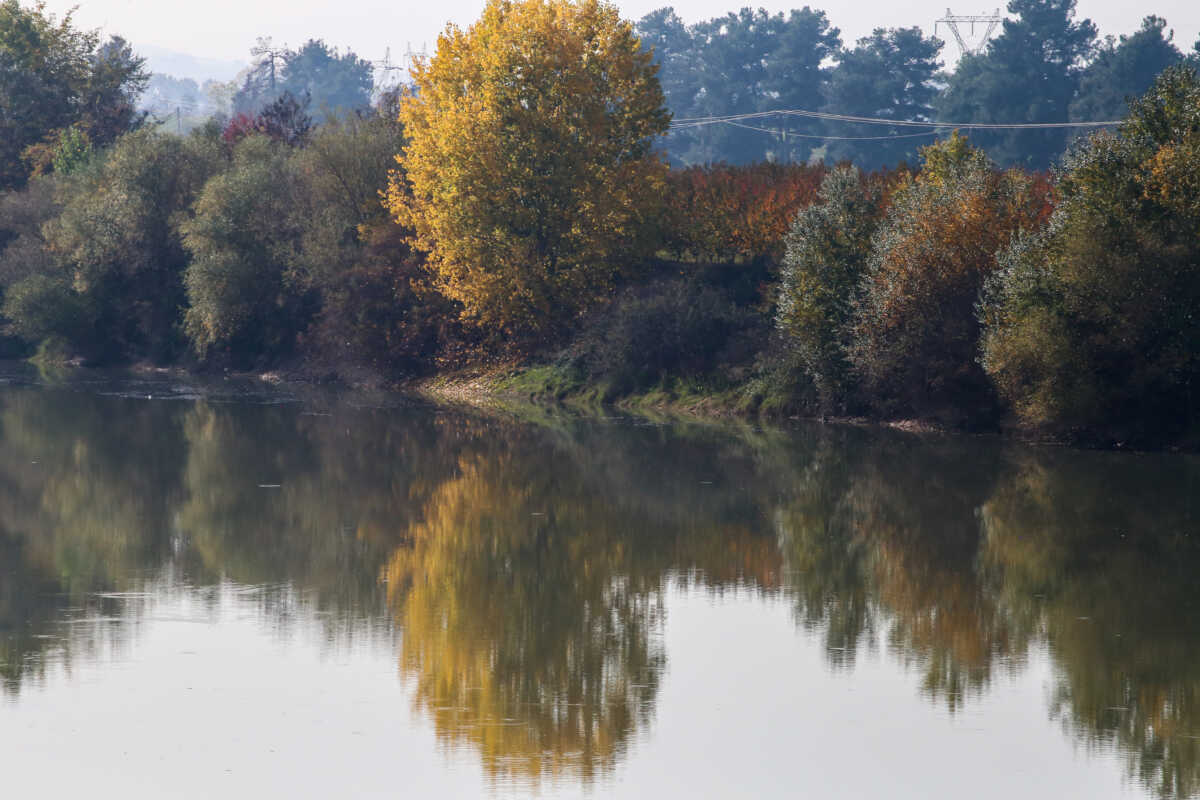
(185, 65)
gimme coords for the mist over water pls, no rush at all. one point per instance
(209, 591)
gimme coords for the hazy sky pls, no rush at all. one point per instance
(226, 29)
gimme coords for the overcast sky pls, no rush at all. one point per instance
(226, 29)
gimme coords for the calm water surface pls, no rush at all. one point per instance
(218, 593)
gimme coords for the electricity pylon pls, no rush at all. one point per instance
(952, 22)
(387, 66)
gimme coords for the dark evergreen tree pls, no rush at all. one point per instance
(1123, 70)
(741, 63)
(1029, 74)
(332, 81)
(889, 75)
(335, 82)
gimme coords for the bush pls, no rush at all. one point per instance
(385, 316)
(915, 338)
(25, 257)
(732, 214)
(669, 329)
(378, 305)
(44, 307)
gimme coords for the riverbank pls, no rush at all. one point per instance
(520, 388)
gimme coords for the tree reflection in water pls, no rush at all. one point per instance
(525, 567)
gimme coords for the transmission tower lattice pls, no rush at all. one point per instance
(389, 68)
(952, 21)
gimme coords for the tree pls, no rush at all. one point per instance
(103, 275)
(665, 34)
(378, 306)
(888, 75)
(740, 63)
(333, 82)
(1094, 324)
(1029, 73)
(915, 332)
(1124, 70)
(243, 293)
(119, 233)
(827, 251)
(74, 151)
(53, 76)
(796, 73)
(529, 173)
(23, 254)
(109, 100)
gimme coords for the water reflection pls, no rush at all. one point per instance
(525, 566)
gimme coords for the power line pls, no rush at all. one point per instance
(695, 122)
(790, 135)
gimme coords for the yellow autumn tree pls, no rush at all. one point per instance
(530, 171)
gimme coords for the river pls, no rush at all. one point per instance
(237, 591)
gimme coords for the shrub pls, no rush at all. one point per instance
(668, 329)
(378, 304)
(915, 332)
(736, 214)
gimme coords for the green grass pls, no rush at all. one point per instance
(564, 385)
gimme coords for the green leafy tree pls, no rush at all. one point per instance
(74, 151)
(244, 294)
(888, 75)
(1029, 73)
(34, 280)
(119, 235)
(827, 251)
(109, 101)
(100, 274)
(1094, 324)
(53, 76)
(1123, 70)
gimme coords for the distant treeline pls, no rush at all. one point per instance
(1044, 66)
(514, 207)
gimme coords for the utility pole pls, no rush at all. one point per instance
(952, 21)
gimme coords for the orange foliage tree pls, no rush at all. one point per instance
(731, 214)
